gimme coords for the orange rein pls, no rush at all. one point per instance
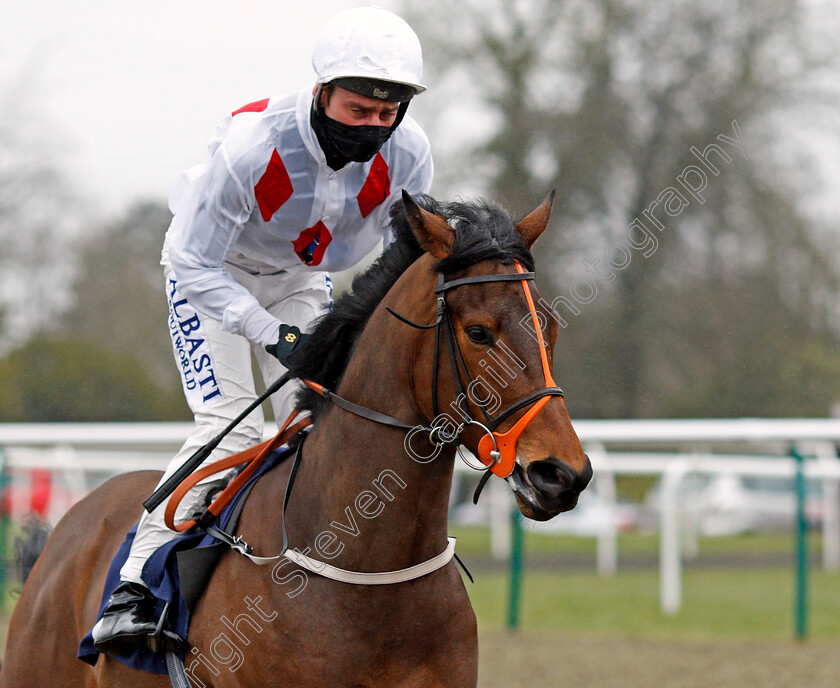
(256, 455)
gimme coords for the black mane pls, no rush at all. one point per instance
(483, 231)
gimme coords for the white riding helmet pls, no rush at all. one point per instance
(369, 43)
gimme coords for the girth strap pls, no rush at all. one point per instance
(177, 672)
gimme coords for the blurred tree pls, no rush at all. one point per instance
(82, 313)
(107, 357)
(40, 216)
(119, 306)
(119, 297)
(55, 378)
(778, 363)
(615, 102)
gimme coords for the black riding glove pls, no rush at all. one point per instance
(289, 341)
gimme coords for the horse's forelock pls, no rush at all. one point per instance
(483, 231)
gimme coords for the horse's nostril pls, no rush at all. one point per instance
(582, 480)
(551, 477)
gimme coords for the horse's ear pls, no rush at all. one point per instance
(433, 232)
(535, 222)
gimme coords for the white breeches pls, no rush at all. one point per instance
(216, 373)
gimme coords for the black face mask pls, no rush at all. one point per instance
(343, 143)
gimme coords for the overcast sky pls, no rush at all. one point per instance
(128, 93)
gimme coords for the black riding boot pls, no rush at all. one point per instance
(127, 624)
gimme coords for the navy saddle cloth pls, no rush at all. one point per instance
(176, 574)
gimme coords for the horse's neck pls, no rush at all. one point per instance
(388, 510)
(358, 481)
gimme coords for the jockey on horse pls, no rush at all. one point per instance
(293, 186)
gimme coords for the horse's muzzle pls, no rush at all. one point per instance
(548, 487)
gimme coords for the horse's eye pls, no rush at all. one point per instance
(480, 335)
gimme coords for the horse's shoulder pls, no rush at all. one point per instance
(265, 499)
(100, 520)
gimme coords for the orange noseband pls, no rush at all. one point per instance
(497, 450)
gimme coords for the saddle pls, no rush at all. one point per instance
(178, 572)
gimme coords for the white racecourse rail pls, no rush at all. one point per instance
(672, 449)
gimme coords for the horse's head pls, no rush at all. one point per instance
(486, 373)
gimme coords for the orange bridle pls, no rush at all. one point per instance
(497, 450)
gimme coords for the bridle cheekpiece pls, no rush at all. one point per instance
(497, 451)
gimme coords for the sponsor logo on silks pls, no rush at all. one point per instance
(328, 282)
(192, 352)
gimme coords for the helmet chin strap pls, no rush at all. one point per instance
(400, 114)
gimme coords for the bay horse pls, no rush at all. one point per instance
(365, 498)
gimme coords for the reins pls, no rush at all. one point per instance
(202, 453)
(496, 451)
(256, 455)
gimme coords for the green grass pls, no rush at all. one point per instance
(472, 540)
(476, 541)
(724, 597)
(731, 600)
(736, 604)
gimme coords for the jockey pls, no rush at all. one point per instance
(293, 187)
